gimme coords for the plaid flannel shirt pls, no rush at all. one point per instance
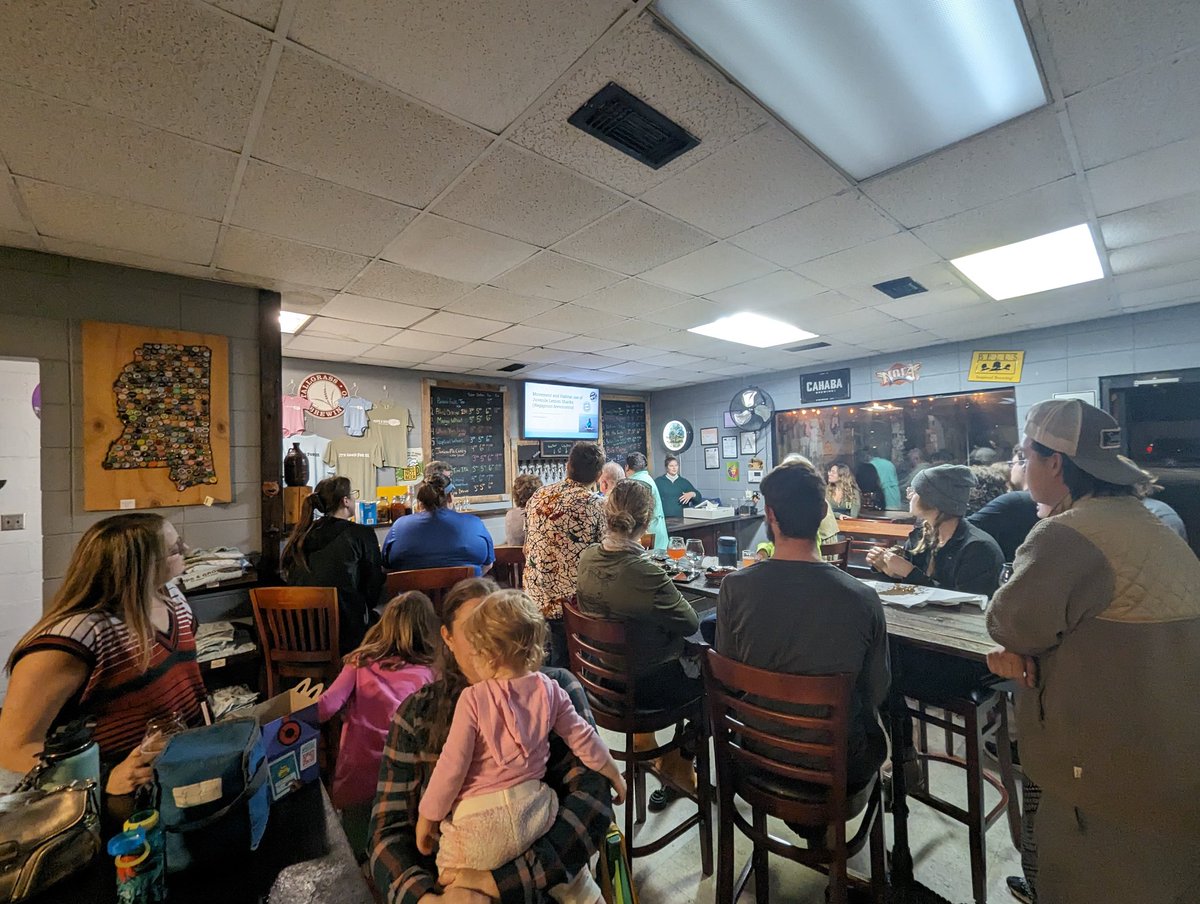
(403, 874)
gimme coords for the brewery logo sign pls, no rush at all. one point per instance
(825, 386)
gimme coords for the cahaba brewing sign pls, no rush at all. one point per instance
(825, 386)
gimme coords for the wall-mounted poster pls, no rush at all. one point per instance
(996, 367)
(825, 386)
(708, 436)
(156, 418)
(899, 373)
(749, 443)
(712, 458)
(729, 446)
(732, 471)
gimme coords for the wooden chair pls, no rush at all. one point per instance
(433, 582)
(298, 633)
(597, 648)
(837, 553)
(755, 750)
(509, 569)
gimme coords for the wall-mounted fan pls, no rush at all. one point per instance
(751, 408)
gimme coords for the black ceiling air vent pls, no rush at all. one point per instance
(807, 347)
(512, 368)
(632, 126)
(900, 288)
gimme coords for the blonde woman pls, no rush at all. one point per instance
(843, 493)
(117, 644)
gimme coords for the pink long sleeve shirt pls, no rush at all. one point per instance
(500, 737)
(369, 696)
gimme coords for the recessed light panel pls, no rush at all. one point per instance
(290, 321)
(753, 329)
(873, 83)
(1063, 258)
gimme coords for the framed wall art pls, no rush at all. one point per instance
(749, 443)
(708, 436)
(729, 446)
(712, 458)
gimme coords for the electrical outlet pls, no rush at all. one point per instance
(12, 522)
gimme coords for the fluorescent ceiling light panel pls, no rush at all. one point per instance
(872, 83)
(1063, 258)
(753, 329)
(290, 321)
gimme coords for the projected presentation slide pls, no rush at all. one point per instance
(561, 412)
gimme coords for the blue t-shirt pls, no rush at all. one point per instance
(354, 415)
(437, 540)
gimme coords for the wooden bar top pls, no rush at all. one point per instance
(677, 525)
(864, 527)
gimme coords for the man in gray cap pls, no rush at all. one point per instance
(1100, 624)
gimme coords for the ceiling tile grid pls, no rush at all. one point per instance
(632, 239)
(455, 250)
(555, 276)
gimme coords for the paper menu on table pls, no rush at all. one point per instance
(923, 596)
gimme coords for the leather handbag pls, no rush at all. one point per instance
(46, 836)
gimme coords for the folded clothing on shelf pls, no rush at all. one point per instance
(211, 566)
(221, 639)
(231, 701)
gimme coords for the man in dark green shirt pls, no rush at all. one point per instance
(677, 492)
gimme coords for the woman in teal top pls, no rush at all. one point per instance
(677, 493)
(635, 469)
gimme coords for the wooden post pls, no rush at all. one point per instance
(270, 372)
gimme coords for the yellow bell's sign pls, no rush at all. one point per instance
(996, 367)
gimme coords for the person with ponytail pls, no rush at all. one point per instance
(327, 549)
(438, 536)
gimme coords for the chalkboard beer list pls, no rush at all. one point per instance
(467, 432)
(623, 428)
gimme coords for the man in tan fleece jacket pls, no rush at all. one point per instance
(1101, 624)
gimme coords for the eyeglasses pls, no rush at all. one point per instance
(1017, 460)
(178, 549)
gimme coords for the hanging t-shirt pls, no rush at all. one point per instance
(354, 415)
(294, 407)
(313, 446)
(357, 459)
(390, 426)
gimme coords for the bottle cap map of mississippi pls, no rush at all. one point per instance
(156, 417)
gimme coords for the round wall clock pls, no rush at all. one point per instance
(324, 394)
(677, 435)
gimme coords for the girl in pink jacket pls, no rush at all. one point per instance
(486, 790)
(394, 661)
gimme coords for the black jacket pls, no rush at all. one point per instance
(970, 562)
(345, 555)
(1008, 518)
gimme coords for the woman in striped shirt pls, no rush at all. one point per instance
(116, 645)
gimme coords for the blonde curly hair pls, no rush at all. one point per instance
(508, 631)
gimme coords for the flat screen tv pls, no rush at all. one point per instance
(559, 411)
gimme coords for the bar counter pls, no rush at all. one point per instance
(744, 527)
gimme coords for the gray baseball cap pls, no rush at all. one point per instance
(1085, 434)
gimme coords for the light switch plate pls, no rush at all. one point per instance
(12, 522)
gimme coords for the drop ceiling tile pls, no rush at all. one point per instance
(76, 216)
(456, 250)
(519, 194)
(260, 12)
(341, 348)
(593, 362)
(411, 340)
(1147, 177)
(637, 331)
(268, 255)
(673, 359)
(571, 319)
(398, 357)
(137, 260)
(1145, 109)
(587, 344)
(630, 368)
(656, 67)
(773, 290)
(689, 343)
(460, 325)
(530, 335)
(546, 355)
(11, 217)
(296, 206)
(729, 370)
(631, 297)
(457, 362)
(872, 262)
(183, 67)
(936, 302)
(324, 122)
(373, 310)
(939, 277)
(633, 239)
(485, 348)
(693, 312)
(330, 328)
(1158, 277)
(550, 275)
(488, 301)
(831, 320)
(1004, 161)
(828, 226)
(757, 178)
(396, 283)
(1101, 39)
(709, 269)
(1160, 220)
(40, 135)
(484, 62)
(1177, 249)
(641, 352)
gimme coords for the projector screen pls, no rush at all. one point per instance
(553, 411)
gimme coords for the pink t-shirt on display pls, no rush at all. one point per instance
(500, 737)
(294, 407)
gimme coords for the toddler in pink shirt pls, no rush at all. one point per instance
(486, 790)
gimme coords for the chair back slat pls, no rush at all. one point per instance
(433, 582)
(837, 553)
(509, 569)
(297, 629)
(743, 731)
(597, 650)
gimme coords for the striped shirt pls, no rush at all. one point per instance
(403, 874)
(120, 696)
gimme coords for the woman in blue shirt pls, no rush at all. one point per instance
(437, 536)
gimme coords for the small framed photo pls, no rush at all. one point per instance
(749, 443)
(729, 446)
(708, 436)
(712, 458)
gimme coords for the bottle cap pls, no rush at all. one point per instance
(142, 819)
(128, 842)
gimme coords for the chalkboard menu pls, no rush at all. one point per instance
(623, 428)
(467, 431)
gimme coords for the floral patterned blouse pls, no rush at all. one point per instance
(561, 521)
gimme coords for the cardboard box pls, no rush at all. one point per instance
(721, 511)
(290, 734)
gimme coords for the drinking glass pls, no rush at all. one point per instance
(676, 548)
(749, 557)
(159, 731)
(695, 551)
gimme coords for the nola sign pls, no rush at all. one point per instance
(899, 373)
(825, 386)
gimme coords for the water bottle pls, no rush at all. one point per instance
(148, 822)
(131, 854)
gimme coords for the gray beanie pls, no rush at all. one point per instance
(946, 488)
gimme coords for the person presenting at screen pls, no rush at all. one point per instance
(677, 492)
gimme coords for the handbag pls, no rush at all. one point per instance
(616, 879)
(46, 836)
(214, 797)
